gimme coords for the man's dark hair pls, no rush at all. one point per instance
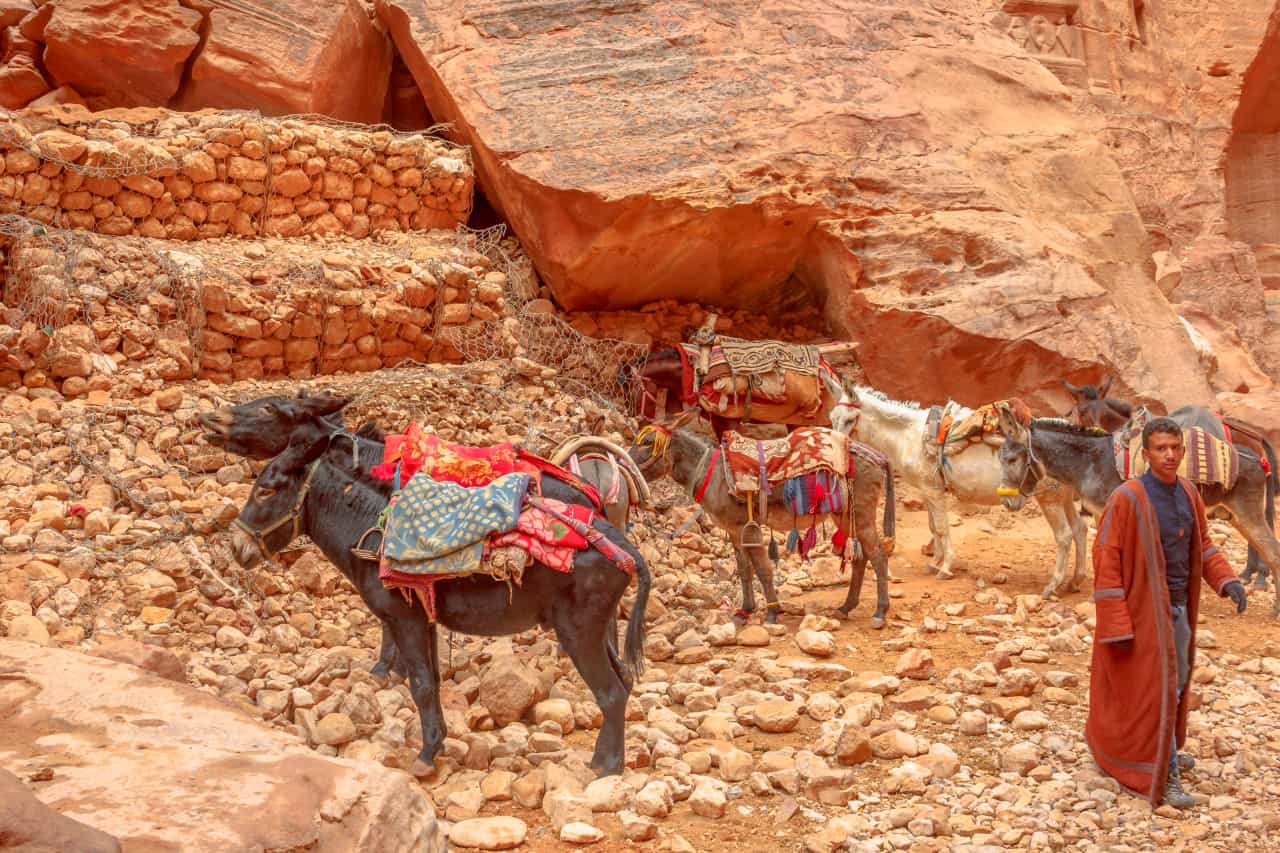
(1155, 425)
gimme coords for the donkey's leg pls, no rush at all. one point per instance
(866, 502)
(1063, 535)
(582, 636)
(880, 560)
(388, 656)
(857, 573)
(1080, 532)
(940, 527)
(764, 571)
(1249, 520)
(748, 594)
(415, 637)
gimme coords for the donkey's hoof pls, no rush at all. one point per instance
(946, 575)
(878, 622)
(380, 670)
(842, 613)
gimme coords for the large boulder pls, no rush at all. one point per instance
(291, 56)
(120, 53)
(30, 825)
(911, 169)
(158, 764)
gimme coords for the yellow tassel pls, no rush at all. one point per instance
(661, 438)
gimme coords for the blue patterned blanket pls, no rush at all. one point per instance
(439, 528)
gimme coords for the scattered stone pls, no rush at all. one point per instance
(489, 833)
(775, 716)
(915, 663)
(817, 643)
(580, 833)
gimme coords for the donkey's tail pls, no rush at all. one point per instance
(890, 513)
(633, 653)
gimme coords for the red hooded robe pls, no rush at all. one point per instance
(1133, 706)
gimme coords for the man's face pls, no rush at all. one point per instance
(1164, 454)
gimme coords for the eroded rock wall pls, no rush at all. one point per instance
(934, 185)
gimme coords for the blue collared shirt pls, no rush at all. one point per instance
(1173, 513)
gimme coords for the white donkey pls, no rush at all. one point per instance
(971, 472)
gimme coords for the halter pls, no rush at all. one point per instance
(259, 537)
(857, 409)
(1033, 465)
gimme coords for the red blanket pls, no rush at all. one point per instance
(415, 450)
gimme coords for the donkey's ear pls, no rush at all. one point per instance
(304, 448)
(321, 406)
(1009, 424)
(1072, 389)
(1105, 387)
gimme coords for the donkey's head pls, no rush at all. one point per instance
(263, 428)
(1020, 471)
(273, 517)
(650, 451)
(846, 411)
(1093, 408)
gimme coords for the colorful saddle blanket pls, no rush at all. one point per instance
(1209, 461)
(802, 451)
(440, 528)
(415, 450)
(946, 427)
(731, 373)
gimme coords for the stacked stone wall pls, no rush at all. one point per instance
(179, 176)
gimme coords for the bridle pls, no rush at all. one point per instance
(857, 410)
(1033, 466)
(259, 537)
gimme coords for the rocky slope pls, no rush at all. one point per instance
(956, 728)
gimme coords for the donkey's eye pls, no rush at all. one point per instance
(264, 494)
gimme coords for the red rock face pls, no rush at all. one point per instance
(120, 52)
(291, 56)
(275, 56)
(922, 177)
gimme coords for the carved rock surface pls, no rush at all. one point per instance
(120, 52)
(119, 741)
(916, 172)
(291, 56)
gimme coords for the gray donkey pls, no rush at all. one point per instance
(1082, 457)
(686, 458)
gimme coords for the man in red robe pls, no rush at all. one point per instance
(1151, 552)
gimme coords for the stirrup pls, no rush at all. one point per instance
(753, 529)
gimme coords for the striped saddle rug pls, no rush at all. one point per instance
(1209, 461)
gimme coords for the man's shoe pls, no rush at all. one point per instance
(1175, 796)
(1185, 762)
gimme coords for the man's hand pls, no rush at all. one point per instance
(1234, 590)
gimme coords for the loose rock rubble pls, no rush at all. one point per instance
(957, 727)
